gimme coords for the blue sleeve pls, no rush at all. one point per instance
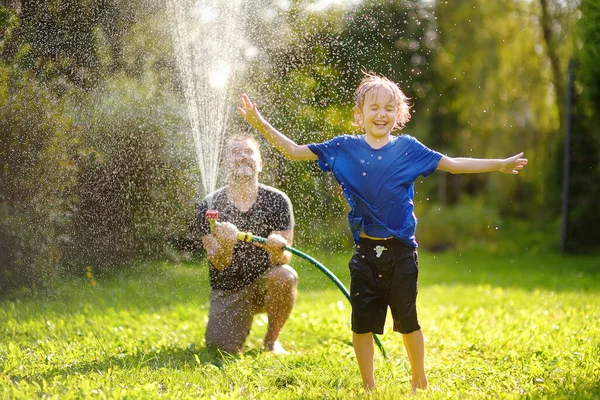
(426, 160)
(326, 152)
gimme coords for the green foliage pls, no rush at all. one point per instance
(495, 93)
(583, 225)
(37, 145)
(8, 23)
(59, 34)
(134, 191)
(497, 326)
(588, 57)
(97, 169)
(461, 226)
(95, 172)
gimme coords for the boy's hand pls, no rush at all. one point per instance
(513, 164)
(249, 111)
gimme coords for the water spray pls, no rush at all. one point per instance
(213, 216)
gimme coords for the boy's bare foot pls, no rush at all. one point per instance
(276, 348)
(419, 385)
(369, 388)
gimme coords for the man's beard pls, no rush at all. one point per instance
(243, 171)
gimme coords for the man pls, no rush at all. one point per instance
(247, 278)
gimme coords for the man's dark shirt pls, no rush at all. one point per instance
(272, 211)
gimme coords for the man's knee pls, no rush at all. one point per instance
(225, 337)
(282, 276)
(229, 320)
(218, 343)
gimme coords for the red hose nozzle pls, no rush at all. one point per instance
(212, 216)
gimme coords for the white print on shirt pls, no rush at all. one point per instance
(379, 250)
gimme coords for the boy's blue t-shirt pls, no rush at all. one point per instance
(378, 183)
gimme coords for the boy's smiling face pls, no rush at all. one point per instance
(379, 113)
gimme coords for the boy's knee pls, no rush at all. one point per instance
(407, 326)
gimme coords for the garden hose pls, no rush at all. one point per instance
(213, 215)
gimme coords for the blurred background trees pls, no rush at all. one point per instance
(98, 166)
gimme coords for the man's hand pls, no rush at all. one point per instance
(226, 234)
(274, 246)
(219, 246)
(513, 164)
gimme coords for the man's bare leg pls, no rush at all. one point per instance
(282, 291)
(365, 354)
(414, 343)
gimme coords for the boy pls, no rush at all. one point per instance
(377, 172)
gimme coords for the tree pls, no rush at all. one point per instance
(37, 146)
(494, 81)
(583, 211)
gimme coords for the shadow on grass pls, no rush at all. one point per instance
(176, 359)
(583, 392)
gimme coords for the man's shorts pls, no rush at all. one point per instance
(232, 311)
(384, 273)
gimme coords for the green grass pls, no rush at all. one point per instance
(496, 325)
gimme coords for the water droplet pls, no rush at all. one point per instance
(364, 174)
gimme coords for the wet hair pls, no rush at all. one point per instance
(241, 137)
(372, 82)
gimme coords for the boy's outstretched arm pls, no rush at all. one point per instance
(460, 165)
(285, 145)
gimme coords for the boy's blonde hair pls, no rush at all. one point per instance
(373, 82)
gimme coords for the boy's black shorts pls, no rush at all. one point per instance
(384, 273)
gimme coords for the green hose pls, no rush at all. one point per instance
(249, 237)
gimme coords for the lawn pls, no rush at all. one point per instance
(496, 326)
